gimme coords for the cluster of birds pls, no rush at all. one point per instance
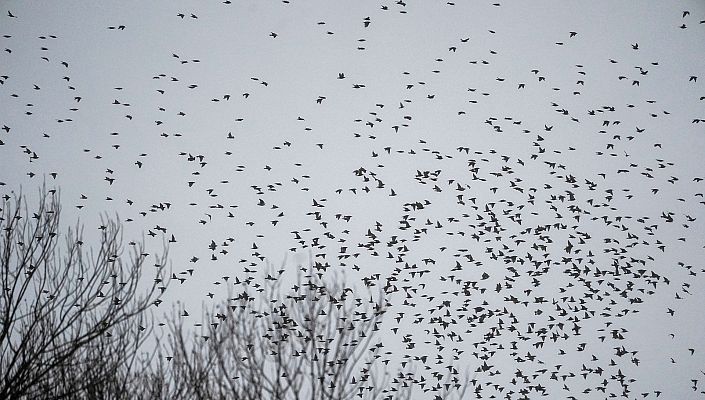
(534, 250)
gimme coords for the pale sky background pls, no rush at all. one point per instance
(615, 106)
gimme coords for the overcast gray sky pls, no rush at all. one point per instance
(242, 115)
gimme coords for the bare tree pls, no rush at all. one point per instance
(71, 319)
(315, 340)
(73, 322)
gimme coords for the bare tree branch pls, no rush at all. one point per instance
(71, 319)
(310, 341)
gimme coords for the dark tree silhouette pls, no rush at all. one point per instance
(71, 319)
(74, 322)
(315, 340)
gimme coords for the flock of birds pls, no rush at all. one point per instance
(540, 227)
